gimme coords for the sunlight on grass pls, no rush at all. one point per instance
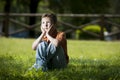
(98, 60)
(93, 49)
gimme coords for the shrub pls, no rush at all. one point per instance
(90, 28)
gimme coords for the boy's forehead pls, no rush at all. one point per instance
(45, 18)
(48, 19)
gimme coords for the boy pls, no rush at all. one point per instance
(50, 46)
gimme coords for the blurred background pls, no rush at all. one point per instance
(80, 19)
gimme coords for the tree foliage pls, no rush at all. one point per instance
(79, 6)
(58, 6)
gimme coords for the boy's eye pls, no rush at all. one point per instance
(48, 22)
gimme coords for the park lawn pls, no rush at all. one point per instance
(89, 60)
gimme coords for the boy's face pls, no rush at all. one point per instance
(46, 23)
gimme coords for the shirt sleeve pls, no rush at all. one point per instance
(61, 37)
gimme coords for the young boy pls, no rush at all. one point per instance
(50, 46)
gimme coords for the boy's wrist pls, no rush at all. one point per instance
(43, 33)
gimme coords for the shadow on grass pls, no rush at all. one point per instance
(10, 69)
(78, 69)
(89, 70)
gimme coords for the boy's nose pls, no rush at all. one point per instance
(46, 25)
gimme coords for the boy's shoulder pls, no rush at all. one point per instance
(60, 35)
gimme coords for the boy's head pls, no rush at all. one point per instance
(48, 21)
(51, 16)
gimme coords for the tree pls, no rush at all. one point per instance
(117, 11)
(56, 5)
(79, 7)
(33, 9)
(5, 28)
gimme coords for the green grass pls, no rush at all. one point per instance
(89, 60)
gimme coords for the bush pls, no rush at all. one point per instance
(90, 28)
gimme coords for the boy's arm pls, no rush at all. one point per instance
(54, 41)
(37, 41)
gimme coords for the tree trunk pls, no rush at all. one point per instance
(117, 11)
(33, 9)
(5, 28)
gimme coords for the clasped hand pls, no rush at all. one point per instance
(48, 31)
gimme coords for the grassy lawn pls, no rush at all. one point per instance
(89, 60)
